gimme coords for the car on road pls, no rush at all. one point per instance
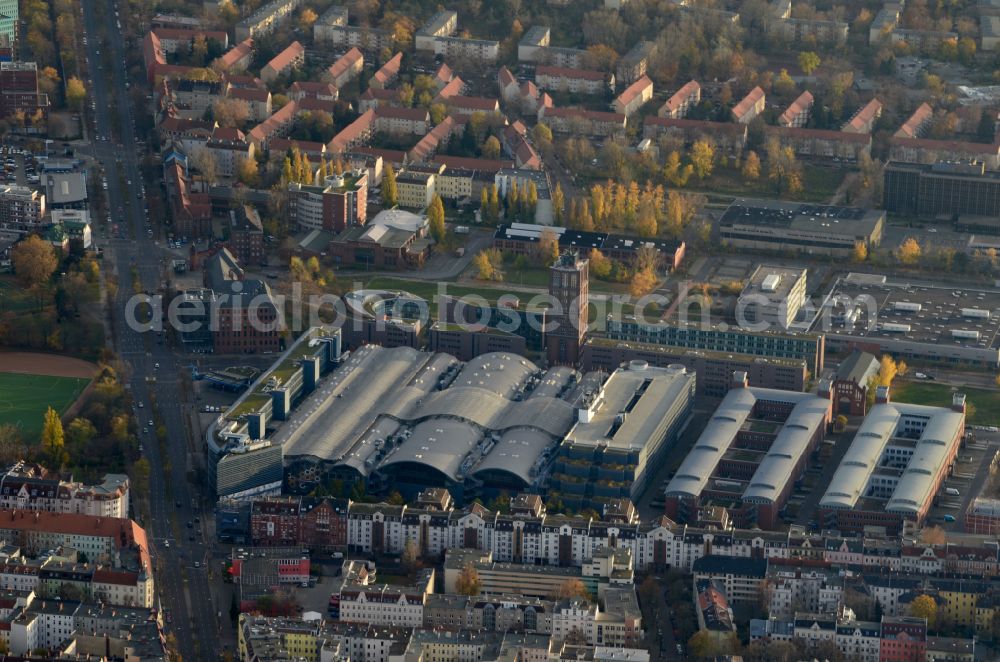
(948, 518)
(150, 423)
(141, 405)
(197, 564)
(166, 543)
(156, 366)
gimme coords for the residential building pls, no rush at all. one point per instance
(633, 65)
(315, 523)
(340, 202)
(797, 114)
(258, 102)
(681, 101)
(291, 58)
(750, 106)
(19, 91)
(574, 81)
(21, 209)
(799, 29)
(345, 68)
(864, 120)
(536, 37)
(246, 235)
(917, 124)
(402, 120)
(387, 73)
(415, 189)
(229, 147)
(29, 487)
(634, 97)
(582, 122)
(740, 578)
(927, 151)
(237, 58)
(266, 19)
(245, 319)
(729, 137)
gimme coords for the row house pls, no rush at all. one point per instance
(460, 49)
(28, 486)
(402, 120)
(277, 125)
(266, 19)
(797, 114)
(305, 89)
(582, 122)
(928, 151)
(191, 98)
(229, 147)
(358, 132)
(634, 97)
(570, 58)
(729, 137)
(368, 39)
(374, 98)
(295, 521)
(791, 589)
(864, 120)
(345, 68)
(435, 139)
(191, 210)
(917, 124)
(822, 143)
(574, 81)
(681, 101)
(387, 73)
(258, 102)
(463, 105)
(750, 106)
(293, 57)
(237, 58)
(633, 65)
(798, 29)
(515, 144)
(455, 87)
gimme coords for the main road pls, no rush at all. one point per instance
(183, 589)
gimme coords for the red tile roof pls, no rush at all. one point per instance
(412, 114)
(180, 34)
(468, 163)
(454, 88)
(818, 134)
(593, 115)
(705, 125)
(352, 132)
(568, 72)
(248, 94)
(748, 102)
(803, 103)
(917, 121)
(237, 53)
(304, 146)
(389, 70)
(681, 96)
(444, 73)
(865, 116)
(474, 103)
(634, 90)
(285, 58)
(345, 63)
(505, 77)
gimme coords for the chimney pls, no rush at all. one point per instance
(958, 403)
(740, 379)
(882, 395)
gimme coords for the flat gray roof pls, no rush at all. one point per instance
(641, 396)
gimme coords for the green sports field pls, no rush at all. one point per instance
(25, 398)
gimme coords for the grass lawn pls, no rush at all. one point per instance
(819, 183)
(538, 277)
(986, 403)
(24, 399)
(429, 289)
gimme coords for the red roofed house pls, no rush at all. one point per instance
(356, 133)
(634, 97)
(278, 148)
(678, 105)
(293, 57)
(797, 114)
(302, 89)
(469, 105)
(229, 146)
(728, 136)
(192, 212)
(153, 55)
(516, 145)
(575, 81)
(258, 102)
(385, 76)
(402, 120)
(429, 144)
(101, 538)
(918, 123)
(582, 122)
(470, 163)
(276, 126)
(749, 106)
(509, 91)
(864, 120)
(238, 57)
(346, 68)
(822, 143)
(453, 88)
(374, 98)
(923, 150)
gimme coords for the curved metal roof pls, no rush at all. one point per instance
(498, 372)
(916, 485)
(862, 457)
(440, 444)
(792, 441)
(715, 439)
(516, 453)
(553, 382)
